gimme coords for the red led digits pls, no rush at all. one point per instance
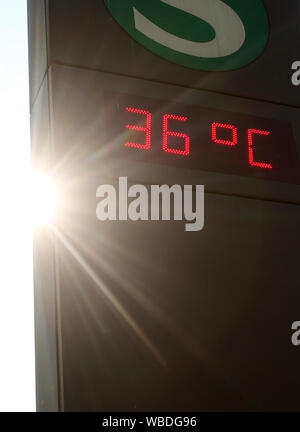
(251, 132)
(167, 133)
(216, 136)
(214, 128)
(146, 129)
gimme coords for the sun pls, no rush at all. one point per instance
(44, 199)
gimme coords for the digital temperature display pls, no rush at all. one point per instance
(194, 137)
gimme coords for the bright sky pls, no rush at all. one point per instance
(17, 382)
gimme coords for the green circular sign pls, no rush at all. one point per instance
(212, 35)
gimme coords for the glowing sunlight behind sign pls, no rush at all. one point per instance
(43, 199)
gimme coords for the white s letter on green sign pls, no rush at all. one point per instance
(200, 34)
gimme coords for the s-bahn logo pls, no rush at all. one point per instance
(208, 35)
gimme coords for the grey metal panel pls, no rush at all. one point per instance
(206, 302)
(46, 324)
(88, 36)
(156, 318)
(80, 132)
(37, 44)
